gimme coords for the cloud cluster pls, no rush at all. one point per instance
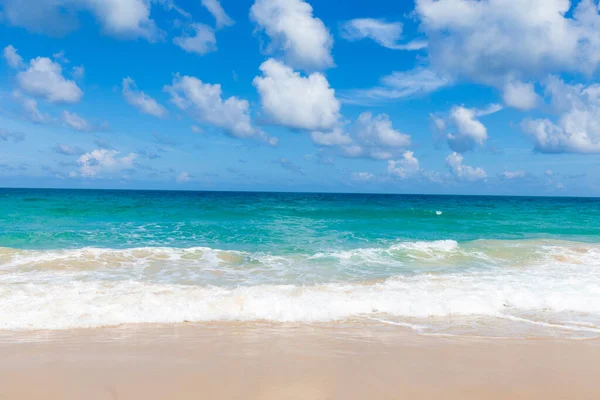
(405, 167)
(99, 160)
(490, 41)
(454, 162)
(577, 129)
(369, 137)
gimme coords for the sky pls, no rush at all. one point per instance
(425, 96)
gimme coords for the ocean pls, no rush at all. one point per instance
(441, 265)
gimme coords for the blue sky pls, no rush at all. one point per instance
(432, 96)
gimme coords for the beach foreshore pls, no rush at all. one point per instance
(264, 361)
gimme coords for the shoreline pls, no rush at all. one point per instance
(270, 361)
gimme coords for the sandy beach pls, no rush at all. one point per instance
(264, 361)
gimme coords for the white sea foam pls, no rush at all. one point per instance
(556, 282)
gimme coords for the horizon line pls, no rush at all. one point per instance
(299, 192)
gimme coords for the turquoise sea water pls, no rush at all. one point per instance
(79, 258)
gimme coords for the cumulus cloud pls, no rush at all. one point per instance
(201, 42)
(76, 122)
(369, 136)
(13, 59)
(183, 177)
(204, 102)
(122, 18)
(468, 131)
(363, 176)
(378, 131)
(296, 101)
(141, 100)
(44, 78)
(454, 162)
(489, 41)
(215, 8)
(405, 167)
(303, 39)
(506, 174)
(399, 85)
(577, 129)
(387, 34)
(99, 160)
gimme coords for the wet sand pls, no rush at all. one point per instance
(237, 361)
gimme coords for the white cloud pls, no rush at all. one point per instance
(406, 167)
(377, 132)
(203, 41)
(506, 174)
(464, 172)
(122, 18)
(78, 72)
(204, 102)
(469, 132)
(183, 177)
(489, 41)
(369, 136)
(76, 122)
(387, 34)
(141, 100)
(304, 40)
(44, 78)
(577, 129)
(520, 95)
(295, 101)
(337, 137)
(60, 57)
(96, 161)
(196, 129)
(31, 110)
(129, 18)
(215, 8)
(399, 85)
(363, 176)
(13, 58)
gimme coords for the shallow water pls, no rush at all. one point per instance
(491, 266)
